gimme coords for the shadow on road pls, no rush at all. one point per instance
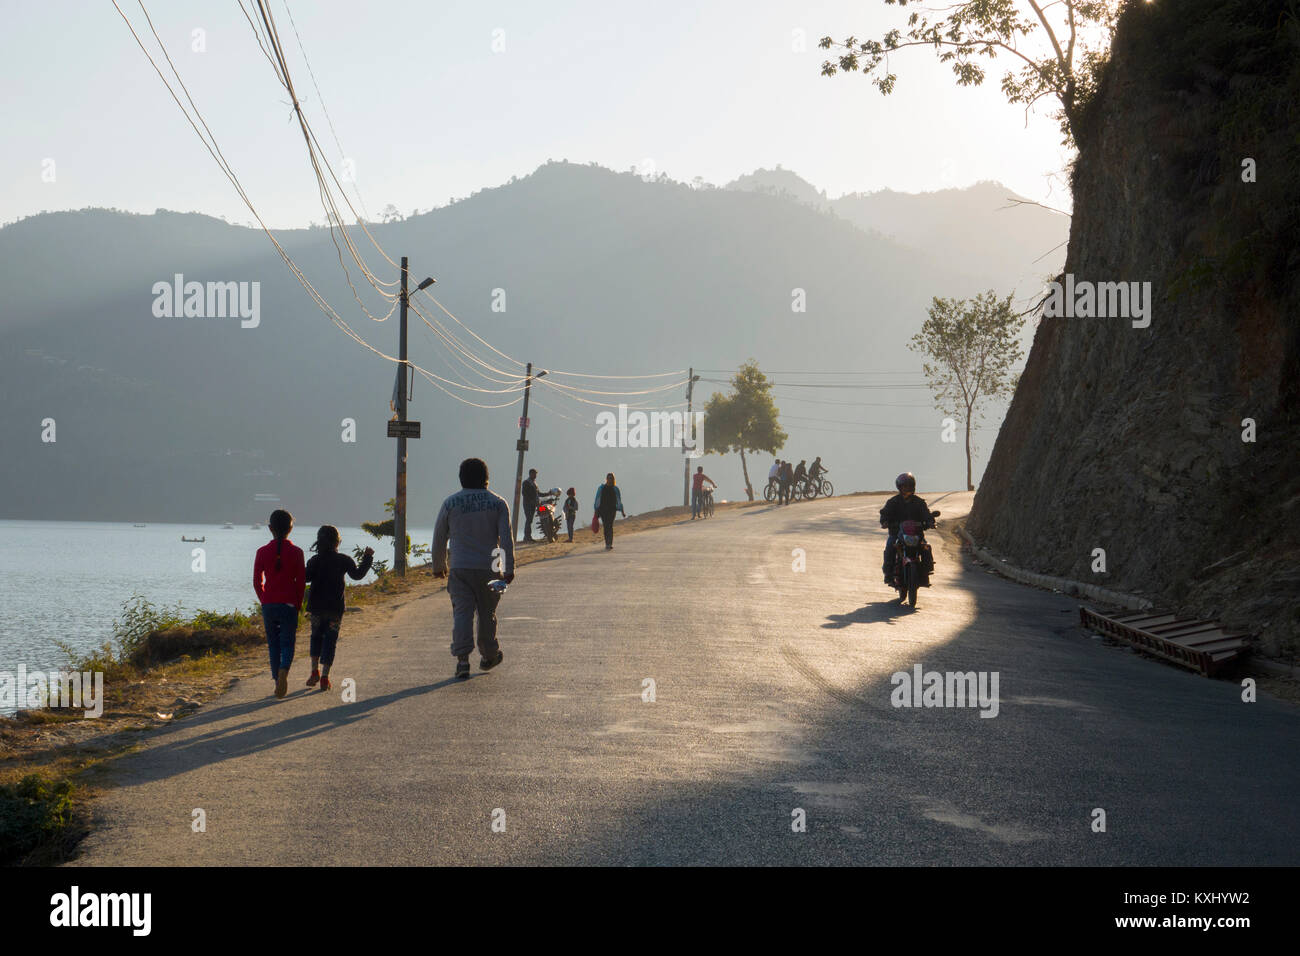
(1079, 727)
(872, 613)
(226, 743)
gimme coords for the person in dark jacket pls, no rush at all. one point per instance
(800, 473)
(571, 510)
(787, 482)
(325, 604)
(608, 500)
(904, 506)
(530, 499)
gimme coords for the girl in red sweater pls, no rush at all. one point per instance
(279, 580)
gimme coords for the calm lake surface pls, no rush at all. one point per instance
(66, 581)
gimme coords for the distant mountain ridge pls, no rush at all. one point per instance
(1020, 239)
(598, 272)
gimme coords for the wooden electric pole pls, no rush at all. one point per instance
(522, 446)
(401, 429)
(399, 507)
(688, 431)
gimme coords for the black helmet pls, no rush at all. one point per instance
(905, 480)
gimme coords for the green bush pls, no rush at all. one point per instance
(140, 618)
(33, 812)
(146, 633)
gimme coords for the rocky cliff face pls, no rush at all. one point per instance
(1130, 439)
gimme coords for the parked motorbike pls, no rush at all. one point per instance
(913, 560)
(549, 514)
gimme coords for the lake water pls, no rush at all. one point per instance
(66, 581)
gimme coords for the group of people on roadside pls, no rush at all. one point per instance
(478, 566)
(606, 505)
(476, 523)
(788, 478)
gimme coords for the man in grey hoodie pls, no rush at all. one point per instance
(477, 522)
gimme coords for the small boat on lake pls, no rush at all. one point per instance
(197, 540)
(228, 525)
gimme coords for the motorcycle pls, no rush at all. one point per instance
(913, 560)
(549, 514)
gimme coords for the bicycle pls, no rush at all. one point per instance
(772, 490)
(706, 502)
(819, 486)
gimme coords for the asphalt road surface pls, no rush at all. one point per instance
(772, 705)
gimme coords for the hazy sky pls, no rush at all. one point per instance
(427, 111)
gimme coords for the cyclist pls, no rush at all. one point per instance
(800, 473)
(697, 491)
(815, 470)
(904, 506)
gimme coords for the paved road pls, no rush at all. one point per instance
(772, 692)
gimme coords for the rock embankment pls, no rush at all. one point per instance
(1134, 440)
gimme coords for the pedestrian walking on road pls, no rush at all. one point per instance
(279, 580)
(571, 510)
(608, 500)
(325, 602)
(477, 523)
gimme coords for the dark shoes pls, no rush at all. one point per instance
(462, 668)
(487, 665)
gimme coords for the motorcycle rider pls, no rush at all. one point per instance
(904, 506)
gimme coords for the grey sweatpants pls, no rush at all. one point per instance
(469, 595)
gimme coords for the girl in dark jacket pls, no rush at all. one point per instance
(325, 572)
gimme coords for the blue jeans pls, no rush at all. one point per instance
(697, 502)
(281, 621)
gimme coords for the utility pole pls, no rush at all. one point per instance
(689, 429)
(399, 506)
(401, 429)
(522, 446)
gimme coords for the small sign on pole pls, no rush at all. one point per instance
(398, 429)
(523, 422)
(521, 444)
